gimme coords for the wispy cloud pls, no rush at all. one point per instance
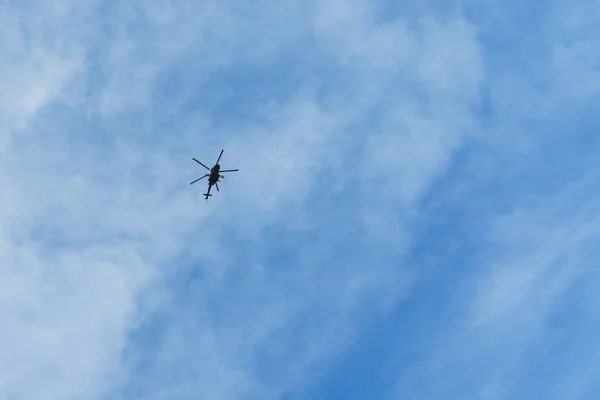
(377, 145)
(519, 318)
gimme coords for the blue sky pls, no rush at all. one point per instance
(415, 217)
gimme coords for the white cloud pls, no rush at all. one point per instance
(518, 322)
(100, 207)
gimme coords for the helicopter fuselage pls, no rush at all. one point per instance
(214, 174)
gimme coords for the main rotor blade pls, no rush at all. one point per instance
(199, 179)
(218, 159)
(201, 163)
(229, 170)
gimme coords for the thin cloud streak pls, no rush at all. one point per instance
(346, 126)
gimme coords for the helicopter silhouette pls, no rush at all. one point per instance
(214, 177)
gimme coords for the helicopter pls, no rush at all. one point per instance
(214, 177)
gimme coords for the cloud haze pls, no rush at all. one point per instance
(415, 214)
